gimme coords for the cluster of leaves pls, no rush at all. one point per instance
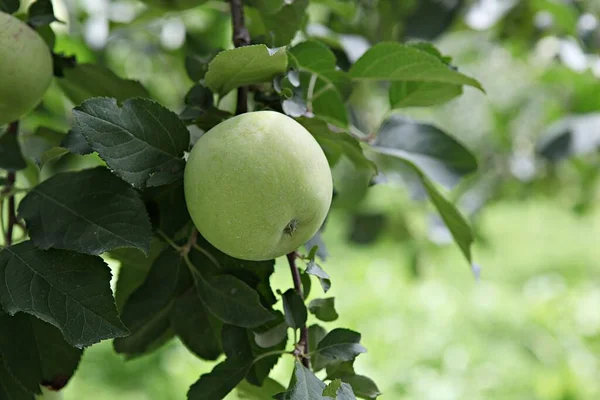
(55, 291)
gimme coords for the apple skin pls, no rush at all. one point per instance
(172, 4)
(25, 68)
(258, 185)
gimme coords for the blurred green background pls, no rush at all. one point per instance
(529, 327)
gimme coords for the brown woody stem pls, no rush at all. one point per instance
(241, 37)
(302, 346)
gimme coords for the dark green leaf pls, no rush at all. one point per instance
(220, 381)
(422, 94)
(323, 309)
(340, 345)
(338, 390)
(66, 289)
(243, 66)
(233, 301)
(431, 18)
(10, 152)
(10, 388)
(197, 328)
(35, 352)
(208, 119)
(317, 241)
(76, 143)
(294, 309)
(363, 387)
(269, 388)
(350, 182)
(316, 333)
(167, 207)
(340, 369)
(435, 152)
(315, 269)
(196, 66)
(41, 12)
(367, 227)
(9, 6)
(146, 312)
(306, 284)
(85, 81)
(282, 26)
(139, 141)
(90, 211)
(304, 385)
(226, 375)
(325, 88)
(133, 269)
(397, 62)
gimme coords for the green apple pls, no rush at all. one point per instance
(173, 4)
(258, 185)
(25, 68)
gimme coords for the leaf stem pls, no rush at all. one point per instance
(302, 345)
(168, 240)
(13, 129)
(269, 354)
(241, 37)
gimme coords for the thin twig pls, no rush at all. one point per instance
(241, 37)
(302, 346)
(13, 129)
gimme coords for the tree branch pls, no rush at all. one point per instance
(241, 37)
(13, 129)
(302, 345)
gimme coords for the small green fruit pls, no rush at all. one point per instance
(258, 185)
(25, 68)
(172, 4)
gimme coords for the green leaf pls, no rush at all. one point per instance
(133, 269)
(340, 369)
(282, 26)
(340, 345)
(336, 144)
(306, 284)
(390, 61)
(35, 352)
(350, 183)
(197, 328)
(267, 6)
(363, 387)
(304, 385)
(226, 375)
(242, 66)
(11, 158)
(9, 7)
(198, 100)
(233, 301)
(316, 333)
(269, 388)
(146, 312)
(142, 142)
(433, 151)
(294, 309)
(339, 390)
(167, 207)
(66, 289)
(454, 220)
(84, 81)
(430, 18)
(219, 382)
(272, 336)
(10, 388)
(40, 13)
(422, 94)
(325, 88)
(323, 309)
(90, 211)
(52, 154)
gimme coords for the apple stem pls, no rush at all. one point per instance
(13, 129)
(302, 346)
(241, 37)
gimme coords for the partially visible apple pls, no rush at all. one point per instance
(173, 4)
(25, 68)
(258, 185)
